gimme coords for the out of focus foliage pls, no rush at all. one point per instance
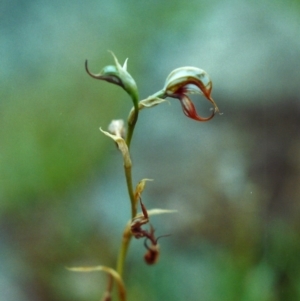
(234, 180)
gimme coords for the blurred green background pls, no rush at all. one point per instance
(234, 180)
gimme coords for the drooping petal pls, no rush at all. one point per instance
(190, 111)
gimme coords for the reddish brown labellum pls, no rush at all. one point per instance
(152, 255)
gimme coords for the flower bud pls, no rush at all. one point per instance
(117, 75)
(116, 127)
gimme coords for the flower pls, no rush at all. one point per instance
(117, 75)
(190, 80)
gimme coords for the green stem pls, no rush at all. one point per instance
(123, 251)
(128, 175)
(131, 125)
(127, 234)
(130, 191)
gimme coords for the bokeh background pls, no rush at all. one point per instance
(235, 180)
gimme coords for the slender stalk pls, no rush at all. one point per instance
(128, 175)
(123, 251)
(130, 191)
(127, 234)
(131, 125)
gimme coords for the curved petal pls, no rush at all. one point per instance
(190, 111)
(108, 73)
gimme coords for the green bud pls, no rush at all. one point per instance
(118, 75)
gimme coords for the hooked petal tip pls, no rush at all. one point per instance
(190, 111)
(89, 72)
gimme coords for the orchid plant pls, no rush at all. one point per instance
(179, 84)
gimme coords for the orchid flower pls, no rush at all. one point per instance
(189, 80)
